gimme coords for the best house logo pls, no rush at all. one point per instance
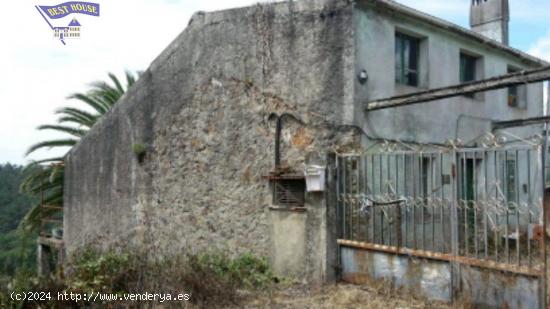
(67, 29)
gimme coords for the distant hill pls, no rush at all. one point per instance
(16, 251)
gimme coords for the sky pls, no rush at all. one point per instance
(39, 72)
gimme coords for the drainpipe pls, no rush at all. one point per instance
(278, 131)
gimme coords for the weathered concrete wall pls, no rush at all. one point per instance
(483, 288)
(289, 236)
(428, 279)
(438, 121)
(202, 109)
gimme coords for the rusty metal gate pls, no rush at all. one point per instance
(451, 224)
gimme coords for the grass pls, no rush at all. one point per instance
(214, 279)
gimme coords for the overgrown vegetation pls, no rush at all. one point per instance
(212, 279)
(139, 150)
(215, 278)
(17, 249)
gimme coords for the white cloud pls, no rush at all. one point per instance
(527, 11)
(541, 48)
(39, 72)
(530, 11)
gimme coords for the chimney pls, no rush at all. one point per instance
(490, 18)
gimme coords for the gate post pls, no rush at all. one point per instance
(455, 267)
(332, 219)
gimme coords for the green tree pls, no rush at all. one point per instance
(16, 250)
(47, 179)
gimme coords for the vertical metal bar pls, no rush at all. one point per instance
(388, 180)
(432, 189)
(497, 223)
(382, 240)
(338, 195)
(355, 212)
(381, 186)
(355, 200)
(422, 197)
(475, 202)
(351, 186)
(344, 202)
(516, 176)
(366, 192)
(381, 171)
(398, 206)
(406, 191)
(338, 214)
(507, 206)
(396, 157)
(485, 218)
(529, 201)
(455, 268)
(442, 206)
(465, 200)
(414, 179)
(373, 214)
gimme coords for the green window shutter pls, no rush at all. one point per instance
(406, 60)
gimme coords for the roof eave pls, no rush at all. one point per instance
(440, 23)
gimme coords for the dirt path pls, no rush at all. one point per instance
(338, 296)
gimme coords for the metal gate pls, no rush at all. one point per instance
(452, 223)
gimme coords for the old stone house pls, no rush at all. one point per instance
(208, 108)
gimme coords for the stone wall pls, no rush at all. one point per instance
(203, 110)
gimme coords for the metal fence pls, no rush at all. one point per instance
(483, 206)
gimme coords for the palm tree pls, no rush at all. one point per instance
(46, 177)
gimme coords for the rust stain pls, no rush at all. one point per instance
(302, 139)
(538, 232)
(529, 271)
(247, 175)
(356, 278)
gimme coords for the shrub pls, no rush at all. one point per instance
(27, 281)
(107, 272)
(213, 279)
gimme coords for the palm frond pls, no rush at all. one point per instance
(47, 185)
(53, 143)
(117, 83)
(65, 129)
(49, 160)
(75, 120)
(48, 180)
(87, 118)
(104, 90)
(92, 101)
(39, 180)
(130, 79)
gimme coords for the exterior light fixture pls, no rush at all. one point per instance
(363, 77)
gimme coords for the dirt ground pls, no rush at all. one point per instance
(339, 296)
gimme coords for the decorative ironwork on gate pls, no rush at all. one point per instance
(481, 207)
